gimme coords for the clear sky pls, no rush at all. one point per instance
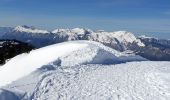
(131, 15)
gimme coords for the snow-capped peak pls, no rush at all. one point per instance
(28, 29)
(72, 31)
(129, 37)
(124, 36)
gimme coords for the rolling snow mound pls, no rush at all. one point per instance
(63, 54)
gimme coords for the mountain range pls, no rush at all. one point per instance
(150, 48)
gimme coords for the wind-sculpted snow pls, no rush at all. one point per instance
(26, 63)
(129, 81)
(63, 54)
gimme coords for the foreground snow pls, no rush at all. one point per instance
(144, 80)
(130, 81)
(63, 54)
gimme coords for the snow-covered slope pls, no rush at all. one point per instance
(63, 54)
(119, 40)
(129, 81)
(145, 80)
(27, 29)
(27, 63)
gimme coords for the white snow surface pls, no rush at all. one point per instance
(26, 63)
(63, 54)
(145, 80)
(129, 81)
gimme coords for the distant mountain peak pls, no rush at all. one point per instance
(128, 37)
(29, 29)
(120, 40)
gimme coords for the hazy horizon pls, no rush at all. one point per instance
(138, 16)
(160, 35)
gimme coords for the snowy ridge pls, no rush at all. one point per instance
(63, 54)
(34, 60)
(120, 40)
(127, 37)
(29, 29)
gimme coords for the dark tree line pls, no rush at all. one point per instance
(11, 48)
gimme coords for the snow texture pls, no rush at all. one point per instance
(146, 80)
(129, 81)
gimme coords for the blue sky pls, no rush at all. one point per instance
(131, 15)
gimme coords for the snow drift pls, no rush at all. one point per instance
(63, 54)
